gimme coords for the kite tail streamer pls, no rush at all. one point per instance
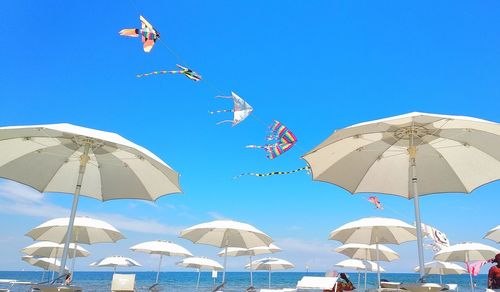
(157, 72)
(307, 168)
(221, 111)
(257, 146)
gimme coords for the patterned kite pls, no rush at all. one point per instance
(183, 70)
(148, 34)
(241, 109)
(374, 200)
(284, 141)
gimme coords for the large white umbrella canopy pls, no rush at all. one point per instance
(375, 230)
(115, 261)
(237, 251)
(53, 250)
(85, 230)
(49, 264)
(465, 253)
(226, 233)
(367, 252)
(494, 234)
(71, 159)
(450, 154)
(270, 264)
(200, 263)
(162, 248)
(442, 268)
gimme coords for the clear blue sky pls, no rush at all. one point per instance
(316, 66)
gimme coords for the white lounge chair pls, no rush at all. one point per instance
(317, 283)
(123, 283)
(453, 287)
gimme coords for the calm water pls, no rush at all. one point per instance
(237, 281)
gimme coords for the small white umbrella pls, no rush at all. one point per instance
(115, 261)
(200, 263)
(54, 250)
(162, 248)
(466, 253)
(442, 268)
(375, 230)
(494, 234)
(44, 263)
(71, 159)
(237, 251)
(226, 233)
(360, 265)
(270, 264)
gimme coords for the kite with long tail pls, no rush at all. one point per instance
(149, 35)
(241, 109)
(283, 139)
(183, 70)
(307, 168)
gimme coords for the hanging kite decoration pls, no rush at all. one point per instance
(307, 168)
(283, 139)
(374, 200)
(183, 70)
(148, 34)
(241, 109)
(439, 239)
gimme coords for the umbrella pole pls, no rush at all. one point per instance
(440, 279)
(359, 278)
(43, 275)
(469, 270)
(251, 272)
(366, 258)
(365, 278)
(225, 262)
(198, 282)
(269, 279)
(412, 151)
(83, 164)
(159, 267)
(378, 267)
(74, 253)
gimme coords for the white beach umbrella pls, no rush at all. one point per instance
(375, 230)
(237, 251)
(162, 248)
(494, 234)
(270, 264)
(360, 265)
(226, 233)
(115, 261)
(442, 268)
(54, 250)
(200, 263)
(451, 154)
(49, 264)
(71, 159)
(465, 253)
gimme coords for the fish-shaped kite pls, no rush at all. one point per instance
(148, 34)
(374, 200)
(241, 109)
(183, 70)
(284, 141)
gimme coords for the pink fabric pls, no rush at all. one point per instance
(475, 267)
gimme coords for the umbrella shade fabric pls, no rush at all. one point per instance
(49, 264)
(270, 264)
(53, 250)
(466, 252)
(47, 158)
(115, 261)
(201, 263)
(236, 251)
(85, 230)
(454, 154)
(367, 252)
(373, 230)
(494, 234)
(226, 233)
(359, 265)
(161, 247)
(442, 268)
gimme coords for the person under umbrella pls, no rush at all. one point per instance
(494, 274)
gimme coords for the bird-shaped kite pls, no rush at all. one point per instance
(241, 109)
(183, 70)
(148, 34)
(284, 140)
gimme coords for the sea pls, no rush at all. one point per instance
(236, 281)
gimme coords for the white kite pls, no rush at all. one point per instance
(241, 109)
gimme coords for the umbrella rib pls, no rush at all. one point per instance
(57, 170)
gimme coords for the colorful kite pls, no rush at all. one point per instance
(184, 70)
(241, 109)
(275, 172)
(284, 141)
(148, 34)
(376, 202)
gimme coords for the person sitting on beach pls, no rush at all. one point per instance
(494, 274)
(67, 281)
(343, 284)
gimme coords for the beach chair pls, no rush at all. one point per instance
(123, 283)
(316, 283)
(453, 287)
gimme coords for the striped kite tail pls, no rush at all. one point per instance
(156, 73)
(307, 168)
(220, 111)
